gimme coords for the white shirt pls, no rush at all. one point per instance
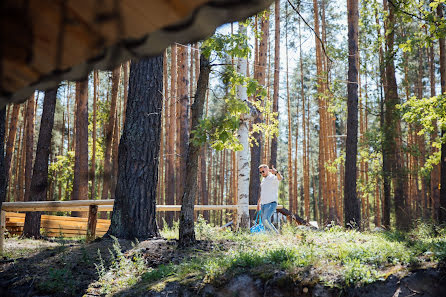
(269, 189)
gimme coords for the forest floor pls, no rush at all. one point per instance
(299, 262)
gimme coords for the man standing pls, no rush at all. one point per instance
(269, 193)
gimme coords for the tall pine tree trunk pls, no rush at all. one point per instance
(94, 132)
(135, 198)
(171, 173)
(392, 130)
(116, 76)
(256, 149)
(273, 159)
(11, 140)
(352, 215)
(442, 205)
(39, 182)
(29, 145)
(187, 233)
(3, 184)
(80, 182)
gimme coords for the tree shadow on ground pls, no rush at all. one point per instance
(65, 270)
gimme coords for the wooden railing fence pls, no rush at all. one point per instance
(57, 225)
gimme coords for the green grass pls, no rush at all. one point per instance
(334, 257)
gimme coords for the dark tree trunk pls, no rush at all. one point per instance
(256, 150)
(2, 158)
(254, 179)
(352, 214)
(29, 145)
(442, 208)
(39, 181)
(11, 140)
(80, 183)
(187, 232)
(274, 142)
(204, 182)
(135, 197)
(392, 151)
(116, 75)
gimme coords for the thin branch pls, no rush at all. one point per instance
(306, 23)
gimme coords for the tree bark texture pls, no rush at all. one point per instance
(135, 198)
(243, 186)
(11, 140)
(3, 185)
(352, 214)
(442, 206)
(273, 159)
(29, 145)
(256, 149)
(116, 76)
(80, 182)
(39, 182)
(170, 170)
(183, 129)
(391, 129)
(94, 132)
(187, 232)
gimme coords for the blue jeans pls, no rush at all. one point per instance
(267, 213)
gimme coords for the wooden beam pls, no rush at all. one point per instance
(103, 205)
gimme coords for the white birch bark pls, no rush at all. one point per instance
(244, 155)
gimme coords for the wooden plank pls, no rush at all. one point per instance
(103, 205)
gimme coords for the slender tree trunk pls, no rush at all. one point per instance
(135, 199)
(187, 233)
(94, 132)
(442, 205)
(243, 185)
(114, 159)
(3, 177)
(256, 149)
(183, 96)
(391, 128)
(322, 124)
(291, 192)
(39, 183)
(273, 160)
(109, 133)
(435, 174)
(11, 140)
(126, 66)
(20, 174)
(80, 182)
(171, 173)
(29, 145)
(352, 214)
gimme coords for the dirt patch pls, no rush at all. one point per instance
(64, 268)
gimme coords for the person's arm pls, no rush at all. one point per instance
(276, 173)
(258, 204)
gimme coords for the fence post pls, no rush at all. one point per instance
(92, 221)
(2, 230)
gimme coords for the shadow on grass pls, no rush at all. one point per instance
(65, 270)
(218, 270)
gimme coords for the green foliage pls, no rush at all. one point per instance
(234, 45)
(62, 172)
(59, 280)
(357, 273)
(124, 270)
(429, 114)
(221, 129)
